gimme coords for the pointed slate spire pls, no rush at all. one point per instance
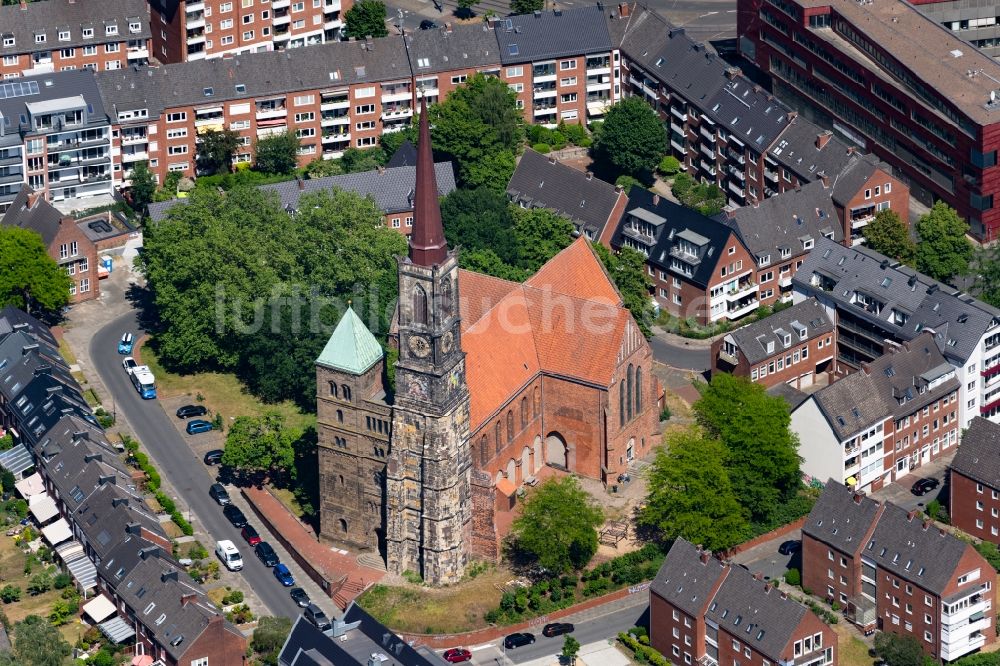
(352, 348)
(427, 243)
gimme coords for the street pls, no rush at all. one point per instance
(695, 357)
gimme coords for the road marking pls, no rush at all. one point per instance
(731, 11)
(708, 14)
(484, 646)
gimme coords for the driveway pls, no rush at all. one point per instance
(766, 559)
(681, 354)
(899, 492)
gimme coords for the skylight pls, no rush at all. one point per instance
(513, 50)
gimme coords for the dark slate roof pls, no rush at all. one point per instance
(807, 317)
(12, 319)
(796, 149)
(684, 580)
(54, 16)
(540, 182)
(552, 34)
(105, 516)
(56, 85)
(784, 220)
(850, 181)
(914, 550)
(42, 218)
(452, 47)
(405, 155)
(958, 320)
(791, 395)
(978, 455)
(324, 66)
(756, 612)
(841, 518)
(751, 114)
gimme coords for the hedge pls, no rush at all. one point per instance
(643, 653)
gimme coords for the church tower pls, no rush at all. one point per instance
(428, 505)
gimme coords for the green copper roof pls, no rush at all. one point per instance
(352, 348)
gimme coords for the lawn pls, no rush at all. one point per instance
(852, 651)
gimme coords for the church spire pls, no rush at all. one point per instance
(427, 243)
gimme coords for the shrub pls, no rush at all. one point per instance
(626, 182)
(198, 551)
(40, 582)
(793, 577)
(62, 580)
(233, 597)
(10, 593)
(575, 134)
(665, 413)
(669, 165)
(542, 148)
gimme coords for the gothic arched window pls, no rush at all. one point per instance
(446, 296)
(510, 425)
(347, 392)
(419, 305)
(538, 403)
(484, 451)
(638, 390)
(630, 378)
(621, 403)
(496, 436)
(524, 412)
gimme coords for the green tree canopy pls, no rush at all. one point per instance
(632, 138)
(487, 262)
(627, 269)
(669, 165)
(365, 19)
(259, 444)
(526, 6)
(762, 457)
(987, 271)
(899, 650)
(38, 643)
(29, 278)
(143, 185)
(690, 494)
(268, 637)
(480, 219)
(277, 153)
(888, 235)
(706, 198)
(557, 525)
(540, 235)
(570, 648)
(943, 251)
(465, 6)
(216, 149)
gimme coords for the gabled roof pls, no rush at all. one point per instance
(12, 319)
(54, 16)
(41, 217)
(850, 181)
(806, 318)
(405, 155)
(452, 47)
(842, 518)
(800, 150)
(978, 455)
(687, 577)
(79, 86)
(541, 182)
(352, 348)
(552, 34)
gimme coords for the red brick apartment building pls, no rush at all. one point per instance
(974, 503)
(59, 35)
(893, 82)
(794, 346)
(704, 611)
(186, 30)
(894, 572)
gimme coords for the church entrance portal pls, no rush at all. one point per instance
(555, 451)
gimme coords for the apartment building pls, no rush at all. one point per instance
(67, 241)
(875, 426)
(441, 59)
(55, 136)
(969, 20)
(895, 572)
(702, 610)
(185, 30)
(891, 81)
(974, 482)
(794, 346)
(879, 303)
(61, 35)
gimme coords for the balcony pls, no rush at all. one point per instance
(542, 92)
(728, 358)
(332, 137)
(333, 24)
(737, 190)
(771, 175)
(545, 110)
(137, 54)
(741, 290)
(736, 173)
(279, 4)
(395, 112)
(544, 74)
(594, 86)
(649, 88)
(333, 103)
(271, 112)
(597, 107)
(392, 95)
(678, 146)
(332, 6)
(707, 168)
(785, 280)
(271, 131)
(194, 21)
(707, 133)
(194, 7)
(859, 222)
(135, 156)
(741, 309)
(132, 139)
(196, 55)
(282, 20)
(680, 115)
(707, 152)
(198, 38)
(330, 120)
(675, 128)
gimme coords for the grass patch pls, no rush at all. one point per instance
(66, 352)
(172, 530)
(287, 497)
(91, 397)
(217, 595)
(851, 650)
(223, 393)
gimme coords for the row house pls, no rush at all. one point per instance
(92, 514)
(442, 59)
(61, 35)
(794, 346)
(185, 30)
(974, 482)
(879, 303)
(895, 572)
(56, 137)
(704, 611)
(908, 416)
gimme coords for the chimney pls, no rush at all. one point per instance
(106, 478)
(675, 32)
(867, 369)
(910, 516)
(758, 575)
(624, 10)
(447, 27)
(826, 179)
(590, 175)
(552, 160)
(732, 72)
(151, 551)
(858, 496)
(134, 529)
(168, 575)
(188, 598)
(33, 198)
(538, 13)
(767, 587)
(619, 188)
(792, 115)
(927, 523)
(118, 501)
(822, 139)
(784, 595)
(90, 457)
(24, 5)
(850, 150)
(301, 184)
(656, 199)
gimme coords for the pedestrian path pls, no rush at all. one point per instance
(601, 653)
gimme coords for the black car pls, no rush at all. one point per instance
(790, 547)
(517, 640)
(924, 486)
(213, 457)
(234, 515)
(187, 411)
(557, 629)
(428, 24)
(219, 494)
(266, 554)
(299, 596)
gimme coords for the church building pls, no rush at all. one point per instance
(498, 385)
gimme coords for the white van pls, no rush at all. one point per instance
(226, 551)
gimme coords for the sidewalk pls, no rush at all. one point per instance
(601, 653)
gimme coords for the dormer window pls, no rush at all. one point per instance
(134, 27)
(64, 35)
(40, 38)
(787, 339)
(111, 29)
(88, 33)
(764, 260)
(8, 41)
(786, 252)
(770, 346)
(807, 243)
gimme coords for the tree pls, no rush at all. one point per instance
(143, 186)
(278, 153)
(29, 278)
(38, 643)
(465, 7)
(268, 638)
(632, 138)
(487, 262)
(888, 235)
(762, 457)
(540, 234)
(943, 251)
(216, 149)
(627, 269)
(480, 219)
(987, 272)
(669, 165)
(365, 19)
(898, 650)
(690, 494)
(570, 648)
(557, 525)
(706, 198)
(354, 159)
(259, 444)
(526, 6)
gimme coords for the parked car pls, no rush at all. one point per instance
(219, 493)
(198, 426)
(126, 343)
(517, 640)
(213, 457)
(249, 533)
(128, 363)
(457, 655)
(924, 486)
(316, 617)
(557, 629)
(283, 575)
(234, 515)
(266, 554)
(428, 24)
(790, 547)
(187, 411)
(230, 556)
(299, 596)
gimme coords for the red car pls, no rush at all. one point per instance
(457, 655)
(250, 534)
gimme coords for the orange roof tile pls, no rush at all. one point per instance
(506, 486)
(478, 293)
(576, 271)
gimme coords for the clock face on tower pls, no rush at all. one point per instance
(447, 340)
(419, 346)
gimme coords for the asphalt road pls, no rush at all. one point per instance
(175, 461)
(680, 356)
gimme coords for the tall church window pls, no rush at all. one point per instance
(446, 296)
(524, 412)
(333, 389)
(340, 416)
(496, 436)
(347, 392)
(484, 451)
(510, 425)
(419, 305)
(630, 379)
(621, 403)
(538, 403)
(638, 390)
